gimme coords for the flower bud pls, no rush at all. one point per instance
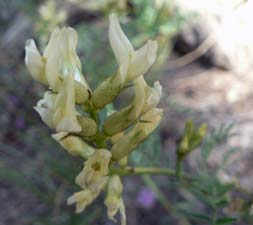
(117, 122)
(145, 99)
(34, 62)
(89, 126)
(146, 125)
(113, 200)
(116, 137)
(65, 112)
(120, 120)
(74, 144)
(95, 168)
(123, 162)
(191, 138)
(81, 93)
(106, 92)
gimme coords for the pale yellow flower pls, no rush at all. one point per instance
(85, 197)
(58, 61)
(114, 201)
(131, 63)
(95, 169)
(61, 58)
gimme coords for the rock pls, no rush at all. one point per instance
(228, 28)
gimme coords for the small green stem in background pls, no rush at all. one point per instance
(179, 166)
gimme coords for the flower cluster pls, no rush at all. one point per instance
(78, 129)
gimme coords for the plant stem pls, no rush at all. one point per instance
(127, 171)
(178, 166)
(100, 138)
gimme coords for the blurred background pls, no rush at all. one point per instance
(205, 64)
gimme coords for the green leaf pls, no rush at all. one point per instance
(222, 202)
(225, 220)
(199, 216)
(223, 189)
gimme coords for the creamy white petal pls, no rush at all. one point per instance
(34, 61)
(142, 60)
(45, 107)
(65, 114)
(121, 46)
